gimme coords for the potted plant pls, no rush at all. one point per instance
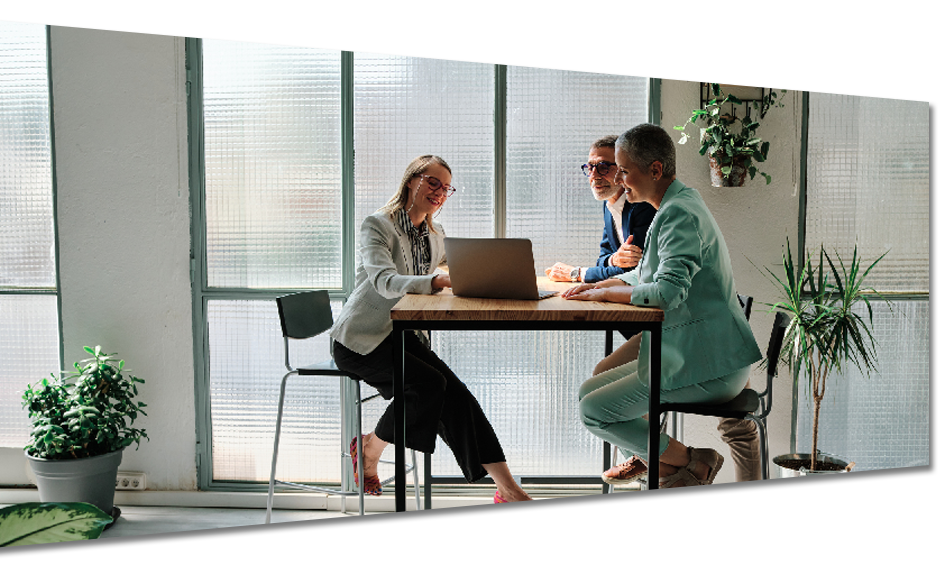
(81, 424)
(730, 142)
(826, 335)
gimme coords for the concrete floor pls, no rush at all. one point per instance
(571, 530)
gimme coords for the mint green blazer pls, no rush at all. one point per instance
(685, 270)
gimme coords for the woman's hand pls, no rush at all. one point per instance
(440, 281)
(611, 290)
(569, 293)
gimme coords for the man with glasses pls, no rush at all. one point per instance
(625, 223)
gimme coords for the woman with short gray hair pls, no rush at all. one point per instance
(707, 345)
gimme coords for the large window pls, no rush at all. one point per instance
(868, 184)
(283, 202)
(29, 327)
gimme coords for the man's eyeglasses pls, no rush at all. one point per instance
(602, 168)
(436, 185)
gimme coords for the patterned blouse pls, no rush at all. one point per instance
(419, 242)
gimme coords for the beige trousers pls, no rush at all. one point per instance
(743, 438)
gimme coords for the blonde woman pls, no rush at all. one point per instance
(399, 250)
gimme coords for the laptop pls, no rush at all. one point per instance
(493, 268)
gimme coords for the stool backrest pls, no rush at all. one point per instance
(746, 303)
(775, 342)
(304, 315)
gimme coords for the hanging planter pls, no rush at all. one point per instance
(728, 140)
(732, 175)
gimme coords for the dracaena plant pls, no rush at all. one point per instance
(832, 320)
(730, 140)
(84, 413)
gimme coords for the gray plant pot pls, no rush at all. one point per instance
(782, 472)
(811, 512)
(91, 480)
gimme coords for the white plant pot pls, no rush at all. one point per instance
(811, 512)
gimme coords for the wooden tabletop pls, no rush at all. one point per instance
(445, 306)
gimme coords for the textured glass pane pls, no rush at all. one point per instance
(553, 118)
(26, 237)
(883, 421)
(247, 366)
(29, 351)
(272, 166)
(527, 384)
(406, 107)
(868, 184)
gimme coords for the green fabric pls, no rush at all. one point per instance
(685, 270)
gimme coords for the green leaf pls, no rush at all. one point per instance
(42, 523)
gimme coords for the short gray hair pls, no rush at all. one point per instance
(647, 143)
(608, 141)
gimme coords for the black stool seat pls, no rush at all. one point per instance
(745, 403)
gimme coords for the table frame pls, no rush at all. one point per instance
(653, 328)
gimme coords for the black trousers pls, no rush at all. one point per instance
(436, 402)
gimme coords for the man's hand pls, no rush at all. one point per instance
(559, 272)
(627, 255)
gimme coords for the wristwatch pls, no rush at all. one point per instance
(575, 274)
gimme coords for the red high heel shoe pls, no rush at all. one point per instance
(372, 483)
(542, 517)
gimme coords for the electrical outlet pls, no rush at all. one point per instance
(131, 481)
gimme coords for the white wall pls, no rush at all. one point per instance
(754, 219)
(123, 219)
(123, 206)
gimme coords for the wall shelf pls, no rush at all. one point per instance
(746, 82)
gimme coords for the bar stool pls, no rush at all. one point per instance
(302, 316)
(750, 405)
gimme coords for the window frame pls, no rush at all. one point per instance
(54, 290)
(202, 293)
(904, 296)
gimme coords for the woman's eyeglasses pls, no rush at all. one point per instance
(436, 185)
(602, 168)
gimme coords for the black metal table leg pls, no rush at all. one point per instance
(400, 471)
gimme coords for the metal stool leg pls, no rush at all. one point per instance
(768, 531)
(608, 508)
(522, 533)
(413, 460)
(361, 446)
(273, 461)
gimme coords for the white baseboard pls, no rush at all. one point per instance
(252, 500)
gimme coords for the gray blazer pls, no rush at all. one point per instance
(383, 275)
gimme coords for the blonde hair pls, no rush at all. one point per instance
(416, 167)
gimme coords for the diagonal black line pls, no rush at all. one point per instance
(593, 500)
(518, 65)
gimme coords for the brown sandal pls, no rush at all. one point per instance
(684, 474)
(631, 470)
